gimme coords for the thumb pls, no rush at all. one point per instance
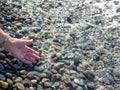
(27, 42)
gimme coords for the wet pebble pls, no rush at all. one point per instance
(89, 75)
(18, 79)
(56, 77)
(4, 84)
(2, 56)
(58, 65)
(10, 82)
(43, 75)
(54, 71)
(38, 68)
(91, 86)
(48, 85)
(19, 86)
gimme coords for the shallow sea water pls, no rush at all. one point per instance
(78, 40)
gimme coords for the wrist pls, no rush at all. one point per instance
(7, 42)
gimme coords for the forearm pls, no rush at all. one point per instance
(4, 36)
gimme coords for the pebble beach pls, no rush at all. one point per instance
(78, 41)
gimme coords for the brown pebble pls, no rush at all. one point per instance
(54, 71)
(44, 80)
(63, 78)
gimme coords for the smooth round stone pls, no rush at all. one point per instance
(118, 10)
(36, 78)
(39, 87)
(19, 86)
(2, 56)
(18, 79)
(69, 20)
(74, 85)
(56, 77)
(59, 65)
(76, 81)
(54, 71)
(108, 79)
(27, 83)
(82, 82)
(63, 78)
(45, 80)
(56, 84)
(47, 84)
(4, 84)
(48, 72)
(110, 87)
(18, 24)
(79, 88)
(31, 88)
(90, 86)
(34, 83)
(23, 72)
(10, 82)
(116, 73)
(89, 75)
(19, 6)
(43, 75)
(38, 68)
(30, 74)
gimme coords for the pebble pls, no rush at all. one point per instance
(63, 78)
(31, 88)
(2, 56)
(82, 82)
(4, 84)
(90, 86)
(108, 79)
(19, 86)
(56, 77)
(10, 82)
(48, 85)
(76, 81)
(89, 75)
(54, 71)
(56, 84)
(86, 64)
(44, 80)
(43, 75)
(77, 39)
(18, 79)
(79, 88)
(27, 83)
(23, 72)
(118, 10)
(38, 68)
(58, 66)
(18, 24)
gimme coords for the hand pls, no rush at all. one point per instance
(19, 49)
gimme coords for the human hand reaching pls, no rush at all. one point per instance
(19, 49)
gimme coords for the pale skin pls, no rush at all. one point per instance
(19, 49)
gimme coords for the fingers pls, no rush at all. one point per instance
(27, 61)
(28, 42)
(32, 51)
(31, 59)
(30, 54)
